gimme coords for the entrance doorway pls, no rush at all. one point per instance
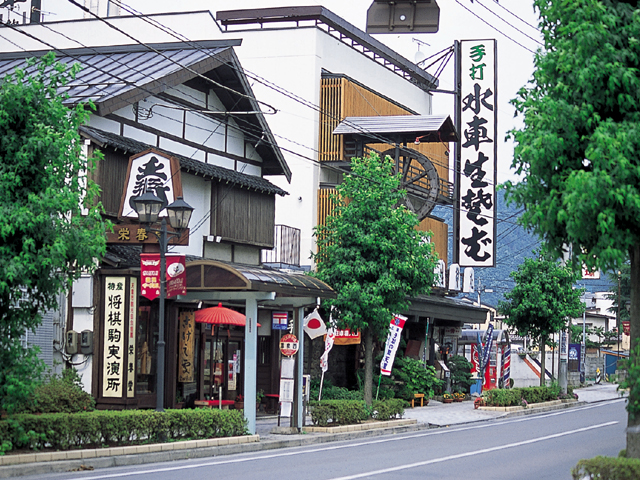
(222, 364)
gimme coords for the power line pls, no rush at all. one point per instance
(491, 26)
(512, 26)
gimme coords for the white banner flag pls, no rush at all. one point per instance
(393, 340)
(328, 345)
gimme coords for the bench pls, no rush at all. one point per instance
(416, 396)
(214, 403)
(273, 399)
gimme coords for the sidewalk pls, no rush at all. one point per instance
(434, 415)
(438, 414)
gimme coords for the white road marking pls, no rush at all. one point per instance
(470, 454)
(280, 454)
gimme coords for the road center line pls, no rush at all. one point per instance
(473, 453)
(280, 454)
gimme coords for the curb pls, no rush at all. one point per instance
(250, 443)
(43, 463)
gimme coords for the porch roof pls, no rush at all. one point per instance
(204, 275)
(399, 128)
(445, 308)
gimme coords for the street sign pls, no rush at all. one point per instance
(289, 345)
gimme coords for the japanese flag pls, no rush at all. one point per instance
(313, 325)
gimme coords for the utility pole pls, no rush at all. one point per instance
(618, 316)
(584, 336)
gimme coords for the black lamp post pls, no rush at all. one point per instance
(148, 207)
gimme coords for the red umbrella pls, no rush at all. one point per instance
(221, 316)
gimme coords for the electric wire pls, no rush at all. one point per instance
(490, 25)
(512, 26)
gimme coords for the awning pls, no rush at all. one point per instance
(444, 308)
(399, 128)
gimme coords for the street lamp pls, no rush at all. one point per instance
(148, 207)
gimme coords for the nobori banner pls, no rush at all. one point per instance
(478, 153)
(393, 340)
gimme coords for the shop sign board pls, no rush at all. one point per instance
(131, 349)
(155, 172)
(345, 336)
(186, 339)
(477, 112)
(176, 275)
(114, 334)
(150, 275)
(280, 320)
(289, 345)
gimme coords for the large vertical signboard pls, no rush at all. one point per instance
(114, 335)
(478, 153)
(131, 349)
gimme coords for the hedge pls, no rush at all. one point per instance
(388, 409)
(349, 412)
(607, 468)
(64, 431)
(506, 397)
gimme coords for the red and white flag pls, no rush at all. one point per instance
(314, 325)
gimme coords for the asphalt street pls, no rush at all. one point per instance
(543, 446)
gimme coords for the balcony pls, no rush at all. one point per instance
(286, 250)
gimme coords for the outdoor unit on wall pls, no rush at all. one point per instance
(71, 345)
(403, 16)
(86, 342)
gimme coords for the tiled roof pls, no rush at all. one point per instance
(188, 165)
(117, 76)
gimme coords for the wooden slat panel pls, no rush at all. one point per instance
(243, 216)
(325, 204)
(440, 235)
(331, 98)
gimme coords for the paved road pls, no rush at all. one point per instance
(544, 446)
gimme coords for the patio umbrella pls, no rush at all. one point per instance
(221, 316)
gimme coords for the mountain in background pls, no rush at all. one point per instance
(514, 244)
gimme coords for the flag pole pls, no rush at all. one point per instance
(378, 391)
(321, 382)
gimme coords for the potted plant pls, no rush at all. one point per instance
(239, 403)
(478, 402)
(458, 396)
(259, 398)
(179, 402)
(447, 398)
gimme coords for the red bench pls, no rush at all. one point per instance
(214, 403)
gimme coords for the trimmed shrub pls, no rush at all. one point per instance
(63, 431)
(607, 468)
(500, 397)
(60, 394)
(388, 409)
(338, 412)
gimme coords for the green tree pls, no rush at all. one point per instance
(50, 226)
(579, 148)
(371, 253)
(622, 278)
(542, 301)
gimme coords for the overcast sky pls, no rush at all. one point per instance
(511, 22)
